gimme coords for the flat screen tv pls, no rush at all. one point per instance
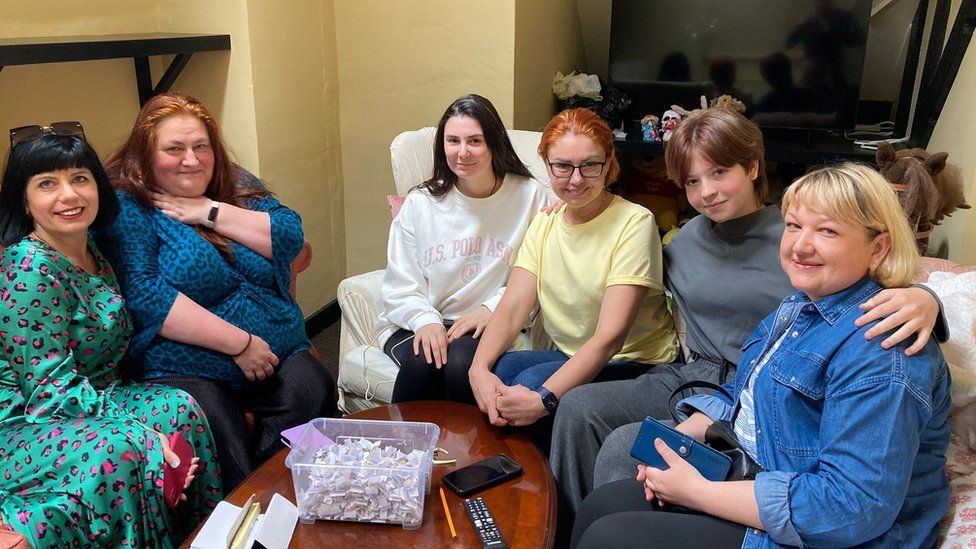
(793, 63)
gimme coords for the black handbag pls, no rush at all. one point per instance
(720, 435)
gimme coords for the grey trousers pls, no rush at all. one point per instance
(608, 415)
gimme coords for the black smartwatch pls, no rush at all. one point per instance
(549, 400)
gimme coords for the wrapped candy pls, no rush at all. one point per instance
(364, 481)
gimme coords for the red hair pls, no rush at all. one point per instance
(130, 168)
(582, 122)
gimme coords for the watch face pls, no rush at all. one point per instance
(550, 402)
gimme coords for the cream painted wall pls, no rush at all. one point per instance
(595, 26)
(400, 65)
(101, 94)
(548, 38)
(296, 99)
(223, 81)
(302, 166)
(955, 133)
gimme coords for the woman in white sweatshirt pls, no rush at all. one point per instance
(450, 252)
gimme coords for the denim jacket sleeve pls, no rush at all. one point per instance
(874, 410)
(717, 406)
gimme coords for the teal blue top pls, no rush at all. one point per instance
(156, 258)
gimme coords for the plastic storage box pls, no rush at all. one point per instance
(358, 490)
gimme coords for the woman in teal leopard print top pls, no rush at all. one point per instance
(81, 453)
(203, 252)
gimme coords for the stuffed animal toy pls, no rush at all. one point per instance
(645, 182)
(685, 112)
(721, 102)
(728, 102)
(669, 121)
(651, 128)
(671, 118)
(928, 188)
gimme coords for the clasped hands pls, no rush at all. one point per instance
(516, 405)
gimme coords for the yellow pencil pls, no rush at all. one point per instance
(447, 512)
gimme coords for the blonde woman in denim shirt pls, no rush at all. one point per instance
(852, 437)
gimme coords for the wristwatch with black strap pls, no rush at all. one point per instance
(549, 400)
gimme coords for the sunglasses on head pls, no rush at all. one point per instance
(24, 134)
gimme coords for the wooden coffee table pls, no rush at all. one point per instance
(524, 508)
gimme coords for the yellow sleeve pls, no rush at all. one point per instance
(529, 252)
(636, 258)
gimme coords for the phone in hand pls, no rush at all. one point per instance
(483, 474)
(173, 478)
(711, 463)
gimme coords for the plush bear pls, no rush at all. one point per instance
(721, 102)
(645, 182)
(729, 102)
(928, 188)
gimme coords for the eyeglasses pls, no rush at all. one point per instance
(586, 169)
(24, 134)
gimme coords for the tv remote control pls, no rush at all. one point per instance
(484, 524)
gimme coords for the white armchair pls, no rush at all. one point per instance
(366, 374)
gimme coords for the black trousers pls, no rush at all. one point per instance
(617, 515)
(301, 390)
(418, 380)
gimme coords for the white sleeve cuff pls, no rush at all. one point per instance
(423, 319)
(492, 302)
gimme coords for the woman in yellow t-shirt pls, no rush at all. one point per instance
(595, 267)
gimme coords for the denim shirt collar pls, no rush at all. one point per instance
(834, 306)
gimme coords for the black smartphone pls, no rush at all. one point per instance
(478, 476)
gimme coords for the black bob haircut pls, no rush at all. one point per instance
(504, 160)
(46, 154)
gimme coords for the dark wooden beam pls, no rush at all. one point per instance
(937, 88)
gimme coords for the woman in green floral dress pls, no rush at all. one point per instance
(81, 453)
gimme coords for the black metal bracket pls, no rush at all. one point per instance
(28, 51)
(907, 90)
(941, 67)
(144, 76)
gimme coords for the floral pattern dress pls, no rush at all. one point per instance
(80, 465)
